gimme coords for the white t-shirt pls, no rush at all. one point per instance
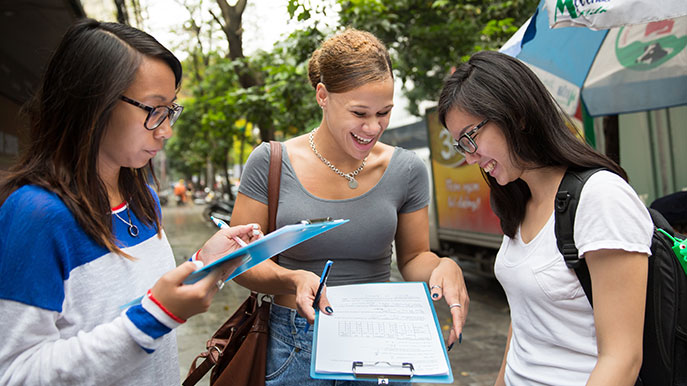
(554, 338)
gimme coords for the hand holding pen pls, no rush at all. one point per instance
(318, 294)
(227, 240)
(223, 225)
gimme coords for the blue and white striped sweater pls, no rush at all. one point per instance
(60, 299)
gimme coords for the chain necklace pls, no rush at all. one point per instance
(133, 229)
(352, 183)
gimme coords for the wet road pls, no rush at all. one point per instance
(475, 362)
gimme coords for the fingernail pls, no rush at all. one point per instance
(450, 346)
(460, 338)
(199, 264)
(256, 232)
(434, 296)
(329, 310)
(255, 226)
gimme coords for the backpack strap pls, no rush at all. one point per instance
(567, 199)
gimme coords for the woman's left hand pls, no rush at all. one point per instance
(447, 281)
(222, 243)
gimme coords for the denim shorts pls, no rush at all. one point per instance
(289, 351)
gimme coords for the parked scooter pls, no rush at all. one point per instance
(220, 209)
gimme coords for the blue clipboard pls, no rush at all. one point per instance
(378, 377)
(260, 250)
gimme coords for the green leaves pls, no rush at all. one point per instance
(218, 110)
(427, 38)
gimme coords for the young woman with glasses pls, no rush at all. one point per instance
(505, 121)
(80, 227)
(340, 170)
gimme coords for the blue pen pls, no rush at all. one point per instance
(221, 224)
(318, 294)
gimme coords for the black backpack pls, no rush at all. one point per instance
(664, 361)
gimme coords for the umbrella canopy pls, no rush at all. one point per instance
(604, 14)
(619, 70)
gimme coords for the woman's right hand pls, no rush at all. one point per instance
(306, 289)
(186, 300)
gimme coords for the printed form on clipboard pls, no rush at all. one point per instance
(380, 331)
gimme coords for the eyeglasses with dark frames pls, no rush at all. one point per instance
(466, 143)
(157, 114)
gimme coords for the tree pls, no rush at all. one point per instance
(208, 128)
(222, 110)
(122, 12)
(426, 38)
(231, 24)
(219, 111)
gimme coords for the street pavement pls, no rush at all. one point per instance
(475, 362)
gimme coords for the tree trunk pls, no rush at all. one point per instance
(231, 24)
(138, 15)
(233, 29)
(122, 13)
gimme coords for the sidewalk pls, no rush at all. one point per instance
(475, 362)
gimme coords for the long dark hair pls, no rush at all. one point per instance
(93, 65)
(504, 90)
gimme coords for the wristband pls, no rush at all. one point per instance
(165, 310)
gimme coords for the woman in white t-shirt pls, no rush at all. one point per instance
(504, 120)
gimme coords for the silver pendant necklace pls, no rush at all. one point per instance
(133, 229)
(352, 183)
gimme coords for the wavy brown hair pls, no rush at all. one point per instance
(93, 65)
(504, 90)
(349, 60)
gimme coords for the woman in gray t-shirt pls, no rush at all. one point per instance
(340, 170)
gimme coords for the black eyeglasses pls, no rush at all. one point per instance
(157, 114)
(466, 143)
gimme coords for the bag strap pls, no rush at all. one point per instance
(273, 181)
(567, 198)
(195, 374)
(211, 356)
(215, 346)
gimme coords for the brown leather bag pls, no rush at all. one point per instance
(237, 351)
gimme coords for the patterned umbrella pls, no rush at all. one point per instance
(618, 70)
(604, 14)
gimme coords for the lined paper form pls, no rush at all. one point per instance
(385, 323)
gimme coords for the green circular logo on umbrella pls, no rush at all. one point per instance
(647, 46)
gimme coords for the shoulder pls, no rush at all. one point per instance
(610, 215)
(35, 204)
(605, 186)
(262, 151)
(255, 173)
(408, 160)
(259, 158)
(39, 237)
(410, 171)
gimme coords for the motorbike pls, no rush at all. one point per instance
(220, 209)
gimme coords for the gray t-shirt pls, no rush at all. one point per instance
(361, 248)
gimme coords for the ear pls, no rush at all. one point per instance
(322, 95)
